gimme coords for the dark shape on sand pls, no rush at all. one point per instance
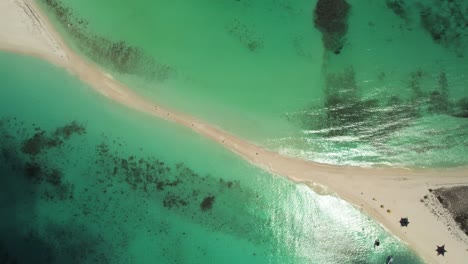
(330, 17)
(441, 250)
(390, 259)
(404, 221)
(207, 203)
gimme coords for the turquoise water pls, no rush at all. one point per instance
(84, 180)
(402, 90)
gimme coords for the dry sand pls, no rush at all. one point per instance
(24, 29)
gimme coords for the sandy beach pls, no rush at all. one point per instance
(385, 194)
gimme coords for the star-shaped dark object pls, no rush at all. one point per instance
(404, 221)
(441, 250)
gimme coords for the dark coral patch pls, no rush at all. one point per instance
(54, 177)
(33, 171)
(36, 168)
(439, 99)
(207, 203)
(345, 111)
(69, 129)
(38, 142)
(461, 108)
(398, 7)
(172, 200)
(41, 140)
(109, 175)
(330, 17)
(246, 35)
(446, 22)
(121, 56)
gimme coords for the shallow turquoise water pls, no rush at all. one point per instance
(243, 64)
(84, 180)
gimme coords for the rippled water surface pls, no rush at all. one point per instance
(385, 85)
(83, 180)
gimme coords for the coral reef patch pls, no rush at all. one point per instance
(120, 56)
(331, 19)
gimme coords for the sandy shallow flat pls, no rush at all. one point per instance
(386, 194)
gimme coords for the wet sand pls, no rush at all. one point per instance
(386, 194)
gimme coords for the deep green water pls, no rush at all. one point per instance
(83, 180)
(399, 95)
